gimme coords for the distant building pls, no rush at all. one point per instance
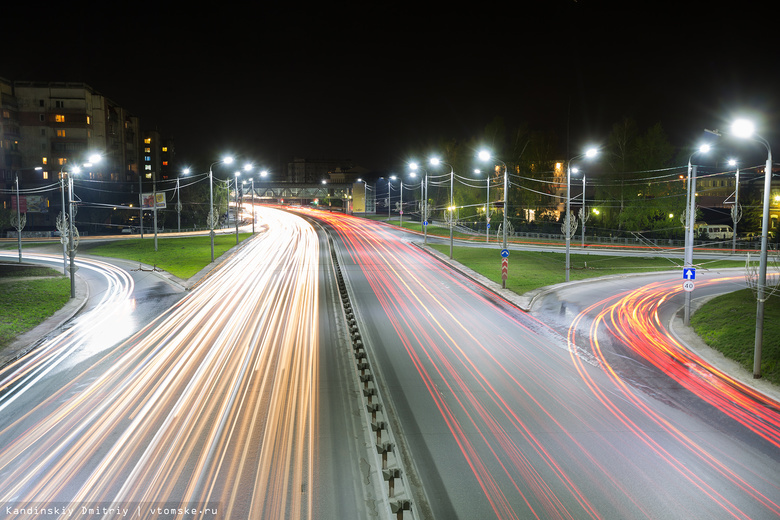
(314, 171)
(45, 126)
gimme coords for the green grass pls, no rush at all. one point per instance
(182, 257)
(24, 303)
(529, 270)
(728, 323)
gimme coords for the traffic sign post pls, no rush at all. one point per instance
(504, 267)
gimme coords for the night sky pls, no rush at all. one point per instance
(377, 84)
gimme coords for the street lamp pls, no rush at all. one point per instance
(487, 205)
(185, 171)
(211, 217)
(690, 219)
(424, 189)
(485, 156)
(736, 212)
(567, 221)
(389, 198)
(435, 161)
(744, 129)
(235, 214)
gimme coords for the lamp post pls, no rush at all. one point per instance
(736, 213)
(186, 171)
(224, 160)
(72, 230)
(690, 219)
(744, 129)
(424, 192)
(235, 214)
(435, 161)
(567, 219)
(485, 156)
(389, 186)
(487, 206)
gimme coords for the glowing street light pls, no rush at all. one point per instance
(435, 161)
(567, 219)
(211, 217)
(486, 156)
(744, 129)
(690, 222)
(424, 189)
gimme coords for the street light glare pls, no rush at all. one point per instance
(413, 166)
(742, 128)
(435, 161)
(228, 160)
(704, 148)
(484, 155)
(591, 152)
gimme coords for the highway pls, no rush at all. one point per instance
(505, 414)
(215, 406)
(246, 397)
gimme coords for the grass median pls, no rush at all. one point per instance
(28, 295)
(183, 257)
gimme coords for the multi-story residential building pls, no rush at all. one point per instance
(49, 126)
(9, 137)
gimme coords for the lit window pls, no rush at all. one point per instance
(60, 133)
(60, 118)
(165, 163)
(44, 160)
(45, 175)
(148, 140)
(164, 149)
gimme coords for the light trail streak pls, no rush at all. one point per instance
(25, 372)
(633, 318)
(213, 403)
(542, 437)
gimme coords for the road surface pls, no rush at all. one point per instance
(503, 415)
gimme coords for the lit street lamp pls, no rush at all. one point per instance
(72, 231)
(424, 191)
(690, 220)
(186, 171)
(436, 162)
(484, 155)
(736, 211)
(744, 129)
(567, 220)
(211, 217)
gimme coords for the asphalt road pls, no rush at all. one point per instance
(236, 398)
(490, 411)
(505, 414)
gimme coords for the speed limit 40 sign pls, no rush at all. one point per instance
(688, 285)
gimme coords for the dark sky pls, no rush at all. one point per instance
(376, 84)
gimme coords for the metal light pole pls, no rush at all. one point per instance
(18, 219)
(567, 219)
(225, 160)
(742, 128)
(736, 214)
(436, 162)
(424, 192)
(690, 219)
(235, 216)
(485, 156)
(71, 237)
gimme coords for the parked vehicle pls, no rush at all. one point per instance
(718, 232)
